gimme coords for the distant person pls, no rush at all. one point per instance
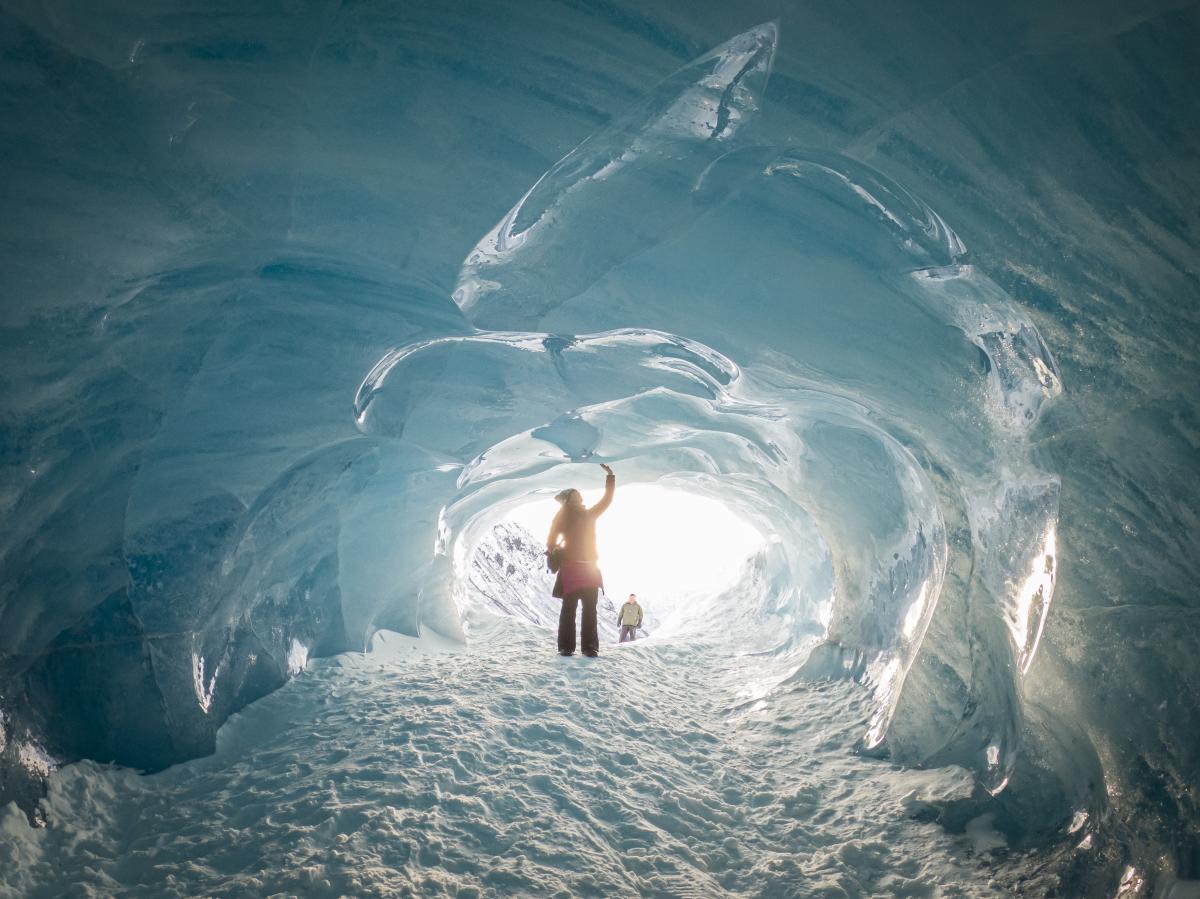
(630, 619)
(572, 543)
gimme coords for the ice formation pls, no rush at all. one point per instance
(270, 398)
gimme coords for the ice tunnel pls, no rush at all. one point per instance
(310, 308)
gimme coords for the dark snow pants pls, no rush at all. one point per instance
(588, 636)
(628, 632)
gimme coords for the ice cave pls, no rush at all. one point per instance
(886, 317)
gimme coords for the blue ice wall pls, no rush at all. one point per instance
(294, 296)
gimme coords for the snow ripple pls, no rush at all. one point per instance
(505, 770)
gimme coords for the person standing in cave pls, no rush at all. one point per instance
(572, 543)
(629, 619)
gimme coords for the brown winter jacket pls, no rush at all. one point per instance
(577, 527)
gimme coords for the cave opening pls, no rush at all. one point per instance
(678, 551)
(280, 370)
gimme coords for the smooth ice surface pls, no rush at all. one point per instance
(302, 300)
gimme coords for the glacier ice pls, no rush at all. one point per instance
(913, 296)
(647, 174)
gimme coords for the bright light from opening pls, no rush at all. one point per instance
(659, 543)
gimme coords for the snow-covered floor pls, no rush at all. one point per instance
(506, 770)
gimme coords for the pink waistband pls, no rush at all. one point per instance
(580, 576)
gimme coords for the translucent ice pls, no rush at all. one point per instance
(912, 293)
(649, 173)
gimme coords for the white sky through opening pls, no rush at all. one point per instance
(659, 543)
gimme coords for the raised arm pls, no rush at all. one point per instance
(610, 487)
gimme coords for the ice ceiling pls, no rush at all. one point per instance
(914, 294)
